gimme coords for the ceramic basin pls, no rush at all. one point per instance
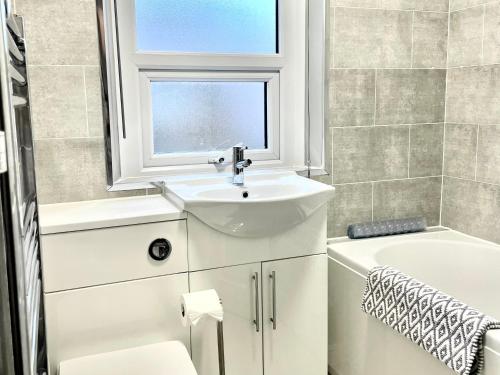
(268, 203)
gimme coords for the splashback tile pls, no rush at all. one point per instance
(60, 32)
(73, 170)
(408, 198)
(466, 37)
(426, 150)
(352, 97)
(488, 154)
(370, 153)
(491, 43)
(370, 38)
(410, 96)
(430, 34)
(460, 150)
(472, 207)
(94, 101)
(58, 110)
(432, 5)
(473, 95)
(461, 4)
(352, 204)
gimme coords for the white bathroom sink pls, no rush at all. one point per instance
(268, 203)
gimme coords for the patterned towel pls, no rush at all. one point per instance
(448, 329)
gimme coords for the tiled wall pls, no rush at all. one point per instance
(471, 189)
(387, 98)
(65, 98)
(387, 109)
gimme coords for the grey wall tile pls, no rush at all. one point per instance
(491, 43)
(410, 96)
(368, 38)
(460, 150)
(331, 38)
(351, 204)
(60, 32)
(488, 154)
(461, 4)
(324, 179)
(426, 150)
(430, 35)
(370, 153)
(352, 97)
(383, 4)
(472, 207)
(72, 170)
(466, 37)
(408, 198)
(58, 101)
(94, 101)
(435, 5)
(473, 95)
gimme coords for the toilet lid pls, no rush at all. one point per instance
(166, 358)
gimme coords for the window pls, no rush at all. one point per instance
(203, 116)
(210, 26)
(186, 80)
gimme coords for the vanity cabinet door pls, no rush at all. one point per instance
(240, 291)
(295, 316)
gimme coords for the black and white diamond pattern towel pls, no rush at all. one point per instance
(448, 329)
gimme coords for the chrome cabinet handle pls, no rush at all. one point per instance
(256, 321)
(272, 276)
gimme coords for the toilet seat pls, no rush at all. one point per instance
(166, 358)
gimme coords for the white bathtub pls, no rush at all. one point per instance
(462, 266)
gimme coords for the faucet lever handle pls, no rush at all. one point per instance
(240, 146)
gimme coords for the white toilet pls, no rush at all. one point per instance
(165, 358)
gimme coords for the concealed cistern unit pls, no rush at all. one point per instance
(239, 164)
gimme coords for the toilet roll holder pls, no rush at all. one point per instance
(220, 343)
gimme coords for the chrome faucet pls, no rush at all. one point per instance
(239, 164)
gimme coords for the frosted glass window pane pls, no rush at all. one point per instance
(208, 116)
(212, 26)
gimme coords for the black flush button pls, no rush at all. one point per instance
(160, 249)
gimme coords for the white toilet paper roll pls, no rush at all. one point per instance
(196, 305)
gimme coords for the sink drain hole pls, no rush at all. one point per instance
(245, 194)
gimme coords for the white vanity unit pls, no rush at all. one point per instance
(107, 288)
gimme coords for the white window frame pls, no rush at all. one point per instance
(128, 72)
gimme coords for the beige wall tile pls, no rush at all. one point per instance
(60, 31)
(472, 207)
(466, 37)
(408, 198)
(410, 96)
(367, 38)
(370, 153)
(352, 97)
(352, 204)
(491, 44)
(94, 101)
(430, 35)
(426, 150)
(473, 95)
(460, 150)
(488, 154)
(58, 101)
